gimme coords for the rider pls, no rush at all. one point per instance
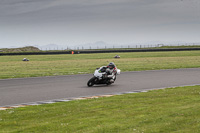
(111, 71)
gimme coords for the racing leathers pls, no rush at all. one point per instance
(111, 73)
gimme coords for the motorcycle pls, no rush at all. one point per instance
(102, 77)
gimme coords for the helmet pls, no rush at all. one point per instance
(111, 65)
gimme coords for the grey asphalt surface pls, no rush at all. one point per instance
(25, 90)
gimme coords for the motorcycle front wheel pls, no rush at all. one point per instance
(91, 82)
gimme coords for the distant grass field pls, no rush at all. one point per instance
(51, 65)
(172, 110)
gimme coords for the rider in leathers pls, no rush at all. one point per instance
(111, 71)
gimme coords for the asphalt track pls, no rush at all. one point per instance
(25, 90)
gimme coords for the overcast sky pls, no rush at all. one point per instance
(70, 22)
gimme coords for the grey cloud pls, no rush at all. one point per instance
(98, 20)
(133, 11)
(14, 7)
(16, 2)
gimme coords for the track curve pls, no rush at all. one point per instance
(24, 90)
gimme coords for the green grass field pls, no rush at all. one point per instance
(51, 65)
(168, 110)
(174, 110)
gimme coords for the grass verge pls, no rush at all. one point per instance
(51, 65)
(166, 110)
